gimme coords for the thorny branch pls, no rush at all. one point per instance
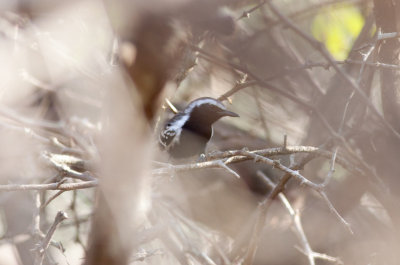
(266, 203)
(235, 156)
(295, 214)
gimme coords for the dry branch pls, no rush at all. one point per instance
(50, 186)
(41, 249)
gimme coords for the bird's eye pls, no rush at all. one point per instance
(169, 124)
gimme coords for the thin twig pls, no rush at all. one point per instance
(289, 71)
(50, 186)
(331, 169)
(51, 198)
(73, 207)
(228, 169)
(334, 211)
(41, 249)
(307, 250)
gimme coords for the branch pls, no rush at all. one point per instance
(266, 203)
(41, 249)
(235, 156)
(307, 250)
(50, 186)
(303, 181)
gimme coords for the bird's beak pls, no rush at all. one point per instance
(229, 113)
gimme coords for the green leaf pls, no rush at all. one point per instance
(337, 27)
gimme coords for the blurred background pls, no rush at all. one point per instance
(86, 86)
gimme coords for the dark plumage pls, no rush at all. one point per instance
(189, 131)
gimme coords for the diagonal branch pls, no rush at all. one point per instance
(307, 250)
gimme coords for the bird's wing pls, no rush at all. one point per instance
(170, 134)
(166, 137)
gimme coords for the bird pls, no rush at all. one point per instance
(187, 133)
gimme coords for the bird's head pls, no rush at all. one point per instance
(207, 110)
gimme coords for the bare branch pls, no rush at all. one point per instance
(334, 211)
(235, 156)
(50, 186)
(266, 203)
(61, 216)
(307, 250)
(52, 198)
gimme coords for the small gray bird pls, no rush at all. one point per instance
(188, 132)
